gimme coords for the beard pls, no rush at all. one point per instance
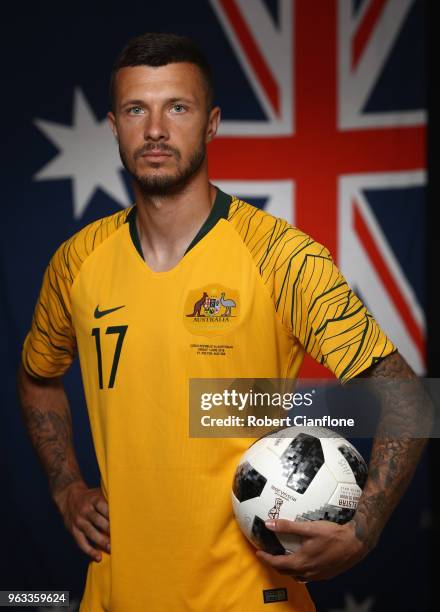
(165, 184)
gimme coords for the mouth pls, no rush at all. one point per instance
(156, 155)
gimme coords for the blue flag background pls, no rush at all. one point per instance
(61, 171)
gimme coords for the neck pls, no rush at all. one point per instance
(167, 224)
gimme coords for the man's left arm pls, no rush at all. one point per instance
(328, 549)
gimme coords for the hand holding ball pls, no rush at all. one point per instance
(299, 474)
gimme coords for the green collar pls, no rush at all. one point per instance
(220, 210)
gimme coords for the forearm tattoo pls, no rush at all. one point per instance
(405, 412)
(50, 432)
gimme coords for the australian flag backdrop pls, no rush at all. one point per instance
(324, 121)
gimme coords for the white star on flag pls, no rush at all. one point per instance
(351, 605)
(88, 155)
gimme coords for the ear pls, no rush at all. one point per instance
(213, 123)
(112, 122)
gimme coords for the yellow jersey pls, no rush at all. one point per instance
(250, 295)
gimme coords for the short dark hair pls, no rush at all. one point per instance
(160, 49)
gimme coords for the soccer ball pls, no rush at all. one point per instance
(300, 474)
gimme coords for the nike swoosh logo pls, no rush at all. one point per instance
(101, 313)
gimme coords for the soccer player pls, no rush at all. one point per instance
(190, 282)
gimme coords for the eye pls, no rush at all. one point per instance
(135, 110)
(178, 108)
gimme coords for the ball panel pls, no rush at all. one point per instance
(265, 539)
(356, 462)
(244, 514)
(248, 483)
(336, 462)
(346, 495)
(328, 512)
(301, 461)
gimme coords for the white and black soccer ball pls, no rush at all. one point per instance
(300, 474)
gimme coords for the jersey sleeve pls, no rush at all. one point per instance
(50, 346)
(321, 310)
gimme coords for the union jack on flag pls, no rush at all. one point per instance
(335, 140)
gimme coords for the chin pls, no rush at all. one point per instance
(158, 176)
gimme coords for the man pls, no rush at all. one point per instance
(127, 293)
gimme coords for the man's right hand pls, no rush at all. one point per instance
(86, 517)
(48, 421)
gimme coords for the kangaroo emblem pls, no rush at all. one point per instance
(228, 304)
(198, 306)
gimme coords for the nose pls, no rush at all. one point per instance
(155, 127)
